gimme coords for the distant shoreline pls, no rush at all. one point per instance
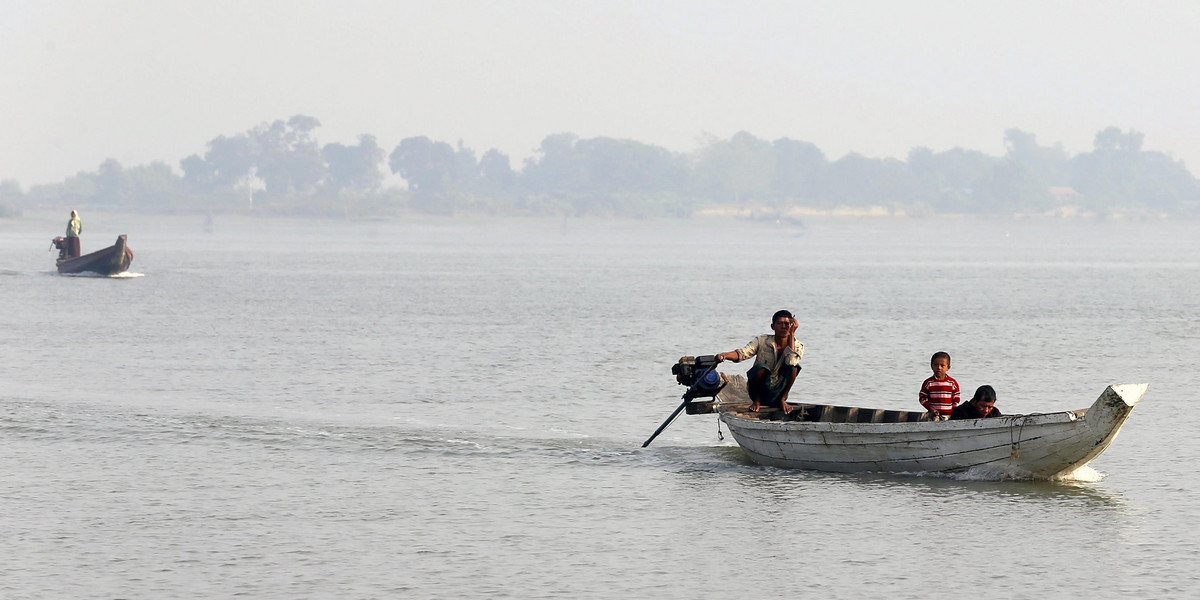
(795, 216)
(884, 212)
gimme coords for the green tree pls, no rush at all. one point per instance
(1118, 174)
(1023, 178)
(230, 162)
(856, 180)
(354, 168)
(426, 165)
(287, 158)
(1165, 185)
(152, 186)
(1112, 139)
(555, 167)
(465, 175)
(496, 175)
(429, 168)
(1013, 186)
(947, 181)
(799, 170)
(614, 166)
(739, 169)
(602, 175)
(199, 175)
(282, 154)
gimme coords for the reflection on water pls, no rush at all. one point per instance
(701, 465)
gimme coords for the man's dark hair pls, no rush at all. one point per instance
(937, 355)
(985, 393)
(781, 313)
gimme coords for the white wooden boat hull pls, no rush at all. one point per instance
(1037, 446)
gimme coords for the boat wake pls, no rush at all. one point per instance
(1084, 474)
(90, 275)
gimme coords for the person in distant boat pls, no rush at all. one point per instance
(74, 228)
(981, 406)
(940, 394)
(776, 363)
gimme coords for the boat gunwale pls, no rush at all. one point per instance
(1001, 422)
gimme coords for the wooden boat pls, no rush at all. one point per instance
(847, 439)
(108, 261)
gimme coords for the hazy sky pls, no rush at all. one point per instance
(82, 81)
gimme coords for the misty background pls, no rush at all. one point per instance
(365, 406)
(615, 108)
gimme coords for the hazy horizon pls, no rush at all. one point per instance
(86, 81)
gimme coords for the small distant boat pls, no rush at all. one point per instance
(847, 439)
(108, 261)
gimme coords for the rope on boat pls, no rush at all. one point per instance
(1016, 440)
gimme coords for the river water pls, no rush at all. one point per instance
(454, 408)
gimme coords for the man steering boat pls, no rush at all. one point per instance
(776, 363)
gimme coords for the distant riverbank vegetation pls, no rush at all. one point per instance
(281, 168)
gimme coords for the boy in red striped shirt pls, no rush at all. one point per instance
(940, 393)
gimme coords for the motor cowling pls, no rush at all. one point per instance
(700, 374)
(59, 243)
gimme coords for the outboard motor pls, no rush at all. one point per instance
(61, 244)
(700, 374)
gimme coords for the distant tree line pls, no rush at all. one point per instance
(281, 168)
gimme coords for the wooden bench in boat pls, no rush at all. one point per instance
(734, 399)
(815, 413)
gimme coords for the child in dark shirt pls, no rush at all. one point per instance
(981, 406)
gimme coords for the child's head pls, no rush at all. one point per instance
(940, 363)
